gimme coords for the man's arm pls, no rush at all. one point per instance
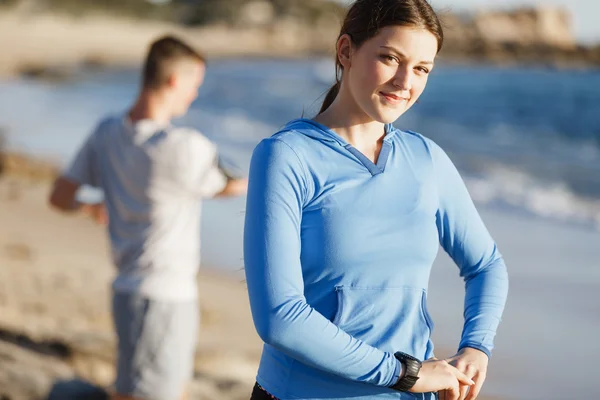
(216, 181)
(63, 195)
(234, 187)
(63, 198)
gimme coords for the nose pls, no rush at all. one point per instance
(403, 79)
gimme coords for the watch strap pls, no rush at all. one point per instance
(411, 367)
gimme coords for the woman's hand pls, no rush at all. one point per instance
(473, 363)
(439, 375)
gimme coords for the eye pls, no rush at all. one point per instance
(390, 58)
(423, 69)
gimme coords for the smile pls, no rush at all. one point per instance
(392, 98)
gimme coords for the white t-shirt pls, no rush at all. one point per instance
(153, 177)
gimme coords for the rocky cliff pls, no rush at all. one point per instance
(547, 26)
(36, 41)
(541, 35)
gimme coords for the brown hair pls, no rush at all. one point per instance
(365, 18)
(163, 54)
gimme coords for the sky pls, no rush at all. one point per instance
(585, 13)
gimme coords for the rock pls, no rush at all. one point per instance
(93, 355)
(257, 13)
(529, 26)
(25, 374)
(541, 36)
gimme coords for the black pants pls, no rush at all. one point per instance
(259, 394)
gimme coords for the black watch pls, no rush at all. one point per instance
(411, 367)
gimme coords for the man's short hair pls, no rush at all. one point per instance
(164, 53)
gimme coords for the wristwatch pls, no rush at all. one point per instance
(411, 367)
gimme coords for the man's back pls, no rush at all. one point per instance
(153, 177)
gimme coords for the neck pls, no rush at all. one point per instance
(351, 123)
(151, 104)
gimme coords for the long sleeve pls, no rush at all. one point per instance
(278, 189)
(465, 238)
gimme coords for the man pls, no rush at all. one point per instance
(153, 176)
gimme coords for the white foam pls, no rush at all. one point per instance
(516, 188)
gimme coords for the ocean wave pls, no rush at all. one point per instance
(516, 188)
(237, 131)
(491, 183)
(512, 144)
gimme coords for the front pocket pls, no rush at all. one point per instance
(389, 318)
(425, 312)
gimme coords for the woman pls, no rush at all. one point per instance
(344, 218)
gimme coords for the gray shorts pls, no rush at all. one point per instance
(156, 346)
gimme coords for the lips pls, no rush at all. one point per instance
(393, 98)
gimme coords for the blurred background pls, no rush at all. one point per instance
(514, 100)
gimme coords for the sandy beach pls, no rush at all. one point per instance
(55, 326)
(56, 44)
(54, 306)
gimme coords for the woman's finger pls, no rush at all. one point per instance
(464, 390)
(462, 378)
(453, 393)
(470, 371)
(479, 378)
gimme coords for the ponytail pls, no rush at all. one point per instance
(330, 96)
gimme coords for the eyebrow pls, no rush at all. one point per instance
(403, 55)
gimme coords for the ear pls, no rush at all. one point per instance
(345, 49)
(173, 80)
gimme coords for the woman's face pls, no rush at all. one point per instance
(387, 74)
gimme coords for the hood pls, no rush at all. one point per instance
(322, 133)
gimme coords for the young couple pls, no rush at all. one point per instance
(344, 217)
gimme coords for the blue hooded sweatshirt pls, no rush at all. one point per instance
(338, 252)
